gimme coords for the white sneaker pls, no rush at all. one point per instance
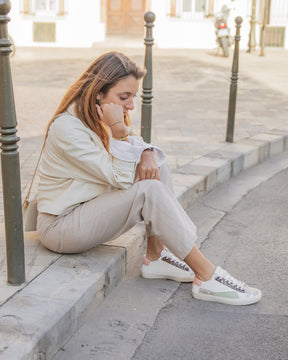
(168, 267)
(225, 289)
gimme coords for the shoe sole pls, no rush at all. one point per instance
(227, 301)
(167, 277)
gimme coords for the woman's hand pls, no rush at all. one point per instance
(147, 168)
(112, 115)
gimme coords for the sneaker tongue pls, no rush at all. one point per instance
(164, 252)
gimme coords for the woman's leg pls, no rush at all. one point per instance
(201, 266)
(154, 248)
(154, 245)
(113, 213)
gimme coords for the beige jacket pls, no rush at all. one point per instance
(75, 167)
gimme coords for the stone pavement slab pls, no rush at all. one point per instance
(189, 119)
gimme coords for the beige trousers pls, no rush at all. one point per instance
(111, 214)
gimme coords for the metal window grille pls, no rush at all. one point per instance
(44, 32)
(275, 36)
(277, 11)
(200, 5)
(187, 6)
(277, 19)
(188, 9)
(48, 7)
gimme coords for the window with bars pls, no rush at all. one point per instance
(191, 9)
(43, 7)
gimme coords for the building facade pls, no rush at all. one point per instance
(179, 23)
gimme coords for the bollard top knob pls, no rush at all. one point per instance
(5, 6)
(238, 20)
(148, 17)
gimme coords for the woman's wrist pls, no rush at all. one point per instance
(119, 130)
(147, 153)
(148, 149)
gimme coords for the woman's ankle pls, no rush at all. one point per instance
(154, 248)
(206, 274)
(152, 256)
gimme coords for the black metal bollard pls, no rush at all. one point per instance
(146, 110)
(10, 159)
(233, 86)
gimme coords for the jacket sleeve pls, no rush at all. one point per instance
(137, 142)
(84, 158)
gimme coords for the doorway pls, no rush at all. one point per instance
(125, 16)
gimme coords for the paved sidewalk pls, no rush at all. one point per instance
(191, 90)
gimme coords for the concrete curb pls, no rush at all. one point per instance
(202, 175)
(41, 317)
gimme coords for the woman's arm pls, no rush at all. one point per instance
(112, 115)
(74, 151)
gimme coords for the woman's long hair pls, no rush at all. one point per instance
(100, 76)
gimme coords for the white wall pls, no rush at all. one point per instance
(80, 27)
(186, 34)
(197, 34)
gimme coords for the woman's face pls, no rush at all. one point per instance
(122, 93)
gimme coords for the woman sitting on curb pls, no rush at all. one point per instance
(97, 180)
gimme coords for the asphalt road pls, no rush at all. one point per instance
(250, 241)
(243, 227)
